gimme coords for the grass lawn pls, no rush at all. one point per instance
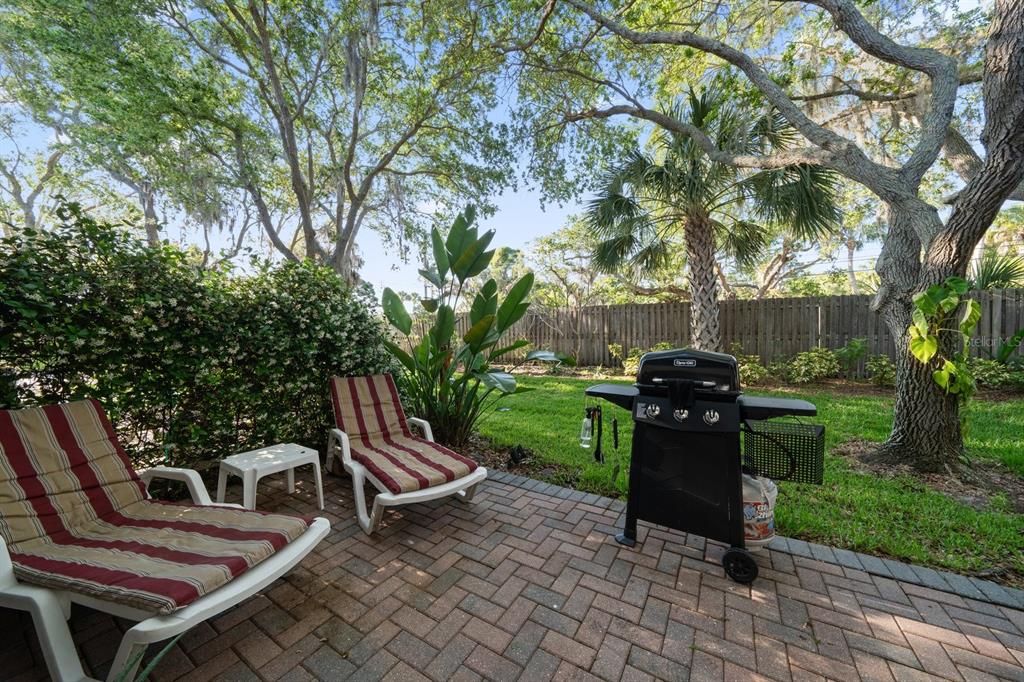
(897, 517)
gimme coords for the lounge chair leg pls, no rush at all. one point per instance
(332, 462)
(47, 611)
(359, 497)
(375, 516)
(467, 494)
(129, 656)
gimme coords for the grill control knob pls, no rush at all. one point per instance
(652, 410)
(680, 415)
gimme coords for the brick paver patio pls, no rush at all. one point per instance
(525, 584)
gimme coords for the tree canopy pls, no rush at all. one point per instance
(318, 118)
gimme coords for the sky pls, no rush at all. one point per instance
(519, 219)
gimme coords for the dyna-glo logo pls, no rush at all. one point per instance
(711, 417)
(680, 362)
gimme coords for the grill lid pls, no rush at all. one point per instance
(714, 373)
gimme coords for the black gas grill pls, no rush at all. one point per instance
(686, 466)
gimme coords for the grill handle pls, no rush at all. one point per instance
(697, 384)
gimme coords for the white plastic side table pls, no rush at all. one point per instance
(254, 465)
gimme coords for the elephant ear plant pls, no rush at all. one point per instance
(449, 379)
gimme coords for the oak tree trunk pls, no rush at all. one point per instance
(920, 250)
(926, 420)
(700, 257)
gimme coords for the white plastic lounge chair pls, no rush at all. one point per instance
(77, 525)
(373, 441)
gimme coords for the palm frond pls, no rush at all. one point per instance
(611, 254)
(654, 256)
(744, 240)
(612, 213)
(802, 198)
(773, 131)
(995, 271)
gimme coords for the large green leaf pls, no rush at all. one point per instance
(473, 258)
(422, 351)
(440, 253)
(1007, 349)
(443, 327)
(521, 343)
(395, 311)
(485, 302)
(514, 306)
(970, 318)
(460, 236)
(926, 303)
(942, 377)
(958, 284)
(478, 332)
(431, 277)
(481, 263)
(549, 356)
(920, 321)
(924, 347)
(502, 381)
(400, 354)
(949, 304)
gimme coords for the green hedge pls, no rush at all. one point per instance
(191, 364)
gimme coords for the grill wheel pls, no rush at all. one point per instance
(739, 565)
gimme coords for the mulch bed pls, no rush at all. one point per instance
(974, 486)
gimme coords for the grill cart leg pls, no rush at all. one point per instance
(628, 535)
(739, 565)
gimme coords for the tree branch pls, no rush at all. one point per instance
(941, 69)
(792, 157)
(841, 152)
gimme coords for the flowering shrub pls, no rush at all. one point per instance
(191, 364)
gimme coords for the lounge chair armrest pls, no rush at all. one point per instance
(428, 433)
(336, 438)
(190, 477)
(6, 567)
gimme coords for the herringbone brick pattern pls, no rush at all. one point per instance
(520, 584)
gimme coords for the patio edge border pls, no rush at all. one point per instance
(943, 581)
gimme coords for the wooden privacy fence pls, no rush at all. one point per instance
(774, 328)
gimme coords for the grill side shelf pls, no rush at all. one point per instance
(616, 394)
(755, 407)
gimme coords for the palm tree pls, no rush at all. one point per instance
(997, 271)
(651, 199)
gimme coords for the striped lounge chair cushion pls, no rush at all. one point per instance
(75, 517)
(369, 411)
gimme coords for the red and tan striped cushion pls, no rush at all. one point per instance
(75, 517)
(369, 411)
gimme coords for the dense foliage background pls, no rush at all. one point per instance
(192, 364)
